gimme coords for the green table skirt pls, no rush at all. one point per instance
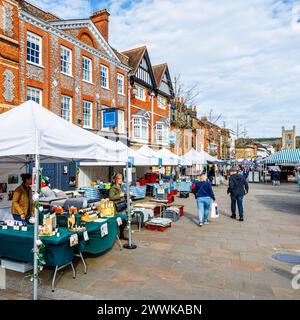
(96, 243)
(18, 245)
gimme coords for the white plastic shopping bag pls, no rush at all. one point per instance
(214, 211)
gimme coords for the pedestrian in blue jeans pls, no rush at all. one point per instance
(238, 187)
(204, 194)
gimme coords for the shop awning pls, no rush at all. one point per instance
(285, 157)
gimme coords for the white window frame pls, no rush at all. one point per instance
(68, 66)
(164, 133)
(62, 103)
(121, 83)
(36, 40)
(121, 121)
(161, 102)
(140, 124)
(104, 76)
(140, 93)
(90, 104)
(87, 62)
(35, 94)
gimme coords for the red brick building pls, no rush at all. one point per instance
(67, 66)
(150, 97)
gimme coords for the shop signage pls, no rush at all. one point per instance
(110, 118)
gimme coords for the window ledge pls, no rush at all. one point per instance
(35, 64)
(68, 75)
(88, 82)
(105, 88)
(121, 94)
(88, 127)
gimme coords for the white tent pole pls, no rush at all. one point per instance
(128, 245)
(36, 220)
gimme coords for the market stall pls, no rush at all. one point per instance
(31, 133)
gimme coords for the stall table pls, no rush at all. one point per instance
(18, 245)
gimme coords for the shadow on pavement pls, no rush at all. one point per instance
(283, 203)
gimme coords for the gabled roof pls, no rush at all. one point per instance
(87, 23)
(135, 57)
(159, 71)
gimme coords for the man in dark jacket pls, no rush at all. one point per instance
(238, 187)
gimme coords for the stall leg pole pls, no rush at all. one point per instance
(36, 224)
(128, 245)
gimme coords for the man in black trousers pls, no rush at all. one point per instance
(238, 188)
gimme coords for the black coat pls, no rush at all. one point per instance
(238, 185)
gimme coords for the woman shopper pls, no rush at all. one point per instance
(204, 196)
(116, 194)
(22, 204)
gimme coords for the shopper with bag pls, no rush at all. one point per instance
(238, 188)
(117, 195)
(204, 195)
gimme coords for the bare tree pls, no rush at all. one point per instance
(188, 94)
(214, 118)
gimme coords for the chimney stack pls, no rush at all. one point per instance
(100, 20)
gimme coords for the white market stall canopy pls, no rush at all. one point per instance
(195, 156)
(30, 129)
(285, 157)
(153, 157)
(174, 158)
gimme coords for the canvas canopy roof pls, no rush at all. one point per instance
(195, 156)
(285, 157)
(30, 128)
(174, 157)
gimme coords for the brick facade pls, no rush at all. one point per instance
(83, 39)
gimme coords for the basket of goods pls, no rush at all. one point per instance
(106, 185)
(106, 208)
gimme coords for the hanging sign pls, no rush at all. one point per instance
(130, 161)
(110, 118)
(160, 162)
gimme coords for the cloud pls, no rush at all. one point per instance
(244, 55)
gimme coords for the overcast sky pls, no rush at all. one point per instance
(244, 55)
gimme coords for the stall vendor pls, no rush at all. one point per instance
(22, 204)
(116, 194)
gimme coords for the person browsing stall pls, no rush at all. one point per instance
(22, 204)
(204, 196)
(116, 194)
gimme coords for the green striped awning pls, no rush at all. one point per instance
(285, 157)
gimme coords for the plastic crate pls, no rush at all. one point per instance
(15, 265)
(157, 228)
(171, 214)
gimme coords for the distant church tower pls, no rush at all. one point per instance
(289, 138)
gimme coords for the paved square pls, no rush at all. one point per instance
(224, 260)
